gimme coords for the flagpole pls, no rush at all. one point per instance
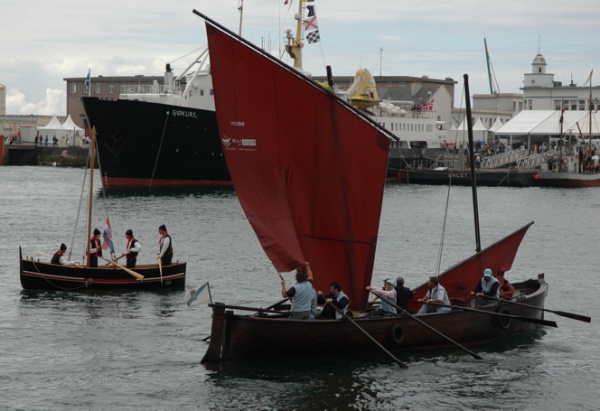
(591, 107)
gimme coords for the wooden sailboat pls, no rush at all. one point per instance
(309, 171)
(41, 275)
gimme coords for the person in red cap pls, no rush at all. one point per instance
(132, 249)
(165, 246)
(95, 248)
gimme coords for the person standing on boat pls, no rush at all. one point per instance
(486, 287)
(385, 309)
(95, 248)
(165, 245)
(132, 249)
(403, 294)
(436, 293)
(335, 297)
(301, 294)
(59, 257)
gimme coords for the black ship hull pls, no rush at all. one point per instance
(150, 145)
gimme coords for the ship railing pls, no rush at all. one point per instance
(537, 159)
(146, 88)
(503, 159)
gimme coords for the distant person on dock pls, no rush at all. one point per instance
(132, 249)
(95, 248)
(385, 309)
(505, 289)
(59, 257)
(54, 142)
(301, 294)
(335, 297)
(486, 287)
(403, 294)
(437, 294)
(165, 253)
(46, 140)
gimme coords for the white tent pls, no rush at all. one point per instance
(74, 132)
(50, 130)
(69, 124)
(497, 124)
(479, 131)
(54, 124)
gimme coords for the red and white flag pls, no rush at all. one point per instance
(108, 243)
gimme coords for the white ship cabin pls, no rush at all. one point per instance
(416, 127)
(192, 88)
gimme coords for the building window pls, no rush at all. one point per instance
(98, 88)
(111, 88)
(581, 104)
(72, 88)
(202, 92)
(557, 104)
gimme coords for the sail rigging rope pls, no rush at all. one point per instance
(162, 138)
(439, 262)
(79, 209)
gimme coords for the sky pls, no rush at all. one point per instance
(44, 42)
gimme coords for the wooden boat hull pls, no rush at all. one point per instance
(568, 180)
(249, 337)
(37, 275)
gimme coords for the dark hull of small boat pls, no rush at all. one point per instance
(244, 337)
(151, 145)
(36, 275)
(487, 178)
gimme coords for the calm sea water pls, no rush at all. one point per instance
(104, 351)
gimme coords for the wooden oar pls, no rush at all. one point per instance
(160, 269)
(574, 316)
(127, 270)
(516, 317)
(392, 356)
(423, 323)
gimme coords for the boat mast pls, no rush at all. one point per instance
(487, 59)
(591, 108)
(91, 196)
(472, 161)
(562, 121)
(241, 10)
(294, 44)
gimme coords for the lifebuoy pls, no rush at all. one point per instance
(397, 334)
(566, 161)
(501, 321)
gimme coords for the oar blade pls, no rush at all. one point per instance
(578, 317)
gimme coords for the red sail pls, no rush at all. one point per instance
(462, 278)
(307, 168)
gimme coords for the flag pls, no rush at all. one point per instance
(313, 37)
(311, 11)
(195, 297)
(108, 237)
(87, 82)
(311, 24)
(430, 105)
(589, 79)
(562, 114)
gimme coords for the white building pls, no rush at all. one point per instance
(541, 92)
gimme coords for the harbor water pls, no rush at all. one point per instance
(142, 350)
